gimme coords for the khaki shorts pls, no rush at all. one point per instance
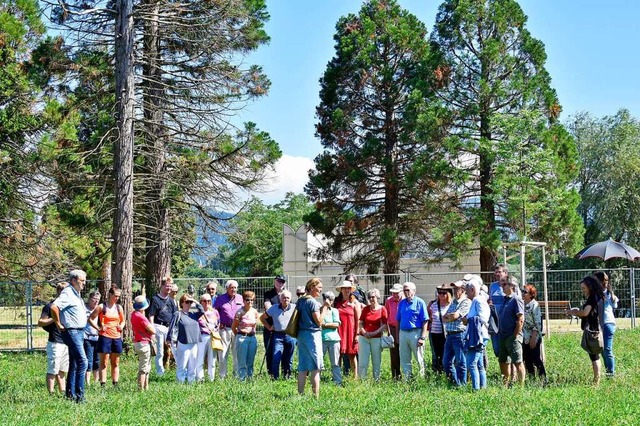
(510, 350)
(143, 351)
(57, 358)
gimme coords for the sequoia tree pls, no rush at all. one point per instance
(379, 185)
(519, 161)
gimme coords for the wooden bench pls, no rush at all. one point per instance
(557, 309)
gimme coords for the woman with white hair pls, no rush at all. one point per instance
(477, 333)
(209, 323)
(373, 322)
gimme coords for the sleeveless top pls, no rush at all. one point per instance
(247, 320)
(110, 318)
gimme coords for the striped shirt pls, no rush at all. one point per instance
(461, 306)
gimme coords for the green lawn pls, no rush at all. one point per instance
(569, 398)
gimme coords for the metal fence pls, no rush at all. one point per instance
(21, 303)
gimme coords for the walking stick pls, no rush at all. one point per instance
(264, 357)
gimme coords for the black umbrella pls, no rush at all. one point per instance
(609, 249)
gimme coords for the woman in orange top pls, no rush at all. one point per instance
(111, 323)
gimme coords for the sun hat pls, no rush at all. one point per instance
(140, 303)
(397, 288)
(346, 284)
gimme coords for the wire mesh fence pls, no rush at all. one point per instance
(21, 303)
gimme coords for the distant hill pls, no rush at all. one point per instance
(208, 241)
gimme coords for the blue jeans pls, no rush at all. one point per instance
(93, 360)
(475, 365)
(453, 360)
(283, 348)
(74, 339)
(607, 354)
(267, 340)
(246, 347)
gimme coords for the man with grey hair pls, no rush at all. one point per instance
(412, 317)
(210, 289)
(282, 345)
(70, 316)
(227, 305)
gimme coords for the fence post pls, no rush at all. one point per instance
(29, 316)
(632, 279)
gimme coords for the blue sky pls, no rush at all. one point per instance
(592, 56)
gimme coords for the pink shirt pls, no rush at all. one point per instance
(139, 326)
(391, 306)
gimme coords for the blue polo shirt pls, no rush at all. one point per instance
(412, 314)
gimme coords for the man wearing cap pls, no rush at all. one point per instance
(227, 305)
(453, 359)
(271, 297)
(391, 305)
(161, 312)
(511, 322)
(412, 319)
(70, 316)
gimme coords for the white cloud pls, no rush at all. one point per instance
(290, 174)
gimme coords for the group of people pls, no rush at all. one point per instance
(352, 328)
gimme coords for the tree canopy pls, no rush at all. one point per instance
(517, 160)
(379, 184)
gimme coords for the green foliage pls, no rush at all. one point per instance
(568, 399)
(517, 163)
(254, 244)
(379, 185)
(609, 149)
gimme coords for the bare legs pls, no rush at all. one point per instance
(53, 378)
(115, 367)
(507, 368)
(596, 371)
(314, 378)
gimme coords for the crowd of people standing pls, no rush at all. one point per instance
(464, 319)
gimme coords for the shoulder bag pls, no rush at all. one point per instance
(387, 342)
(294, 321)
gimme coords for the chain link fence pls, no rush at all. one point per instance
(21, 303)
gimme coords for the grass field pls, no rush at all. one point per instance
(568, 399)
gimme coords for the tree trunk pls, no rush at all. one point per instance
(105, 284)
(123, 156)
(158, 256)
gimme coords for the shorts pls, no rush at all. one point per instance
(143, 350)
(107, 345)
(510, 350)
(57, 358)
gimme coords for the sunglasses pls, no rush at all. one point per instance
(248, 300)
(442, 293)
(406, 290)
